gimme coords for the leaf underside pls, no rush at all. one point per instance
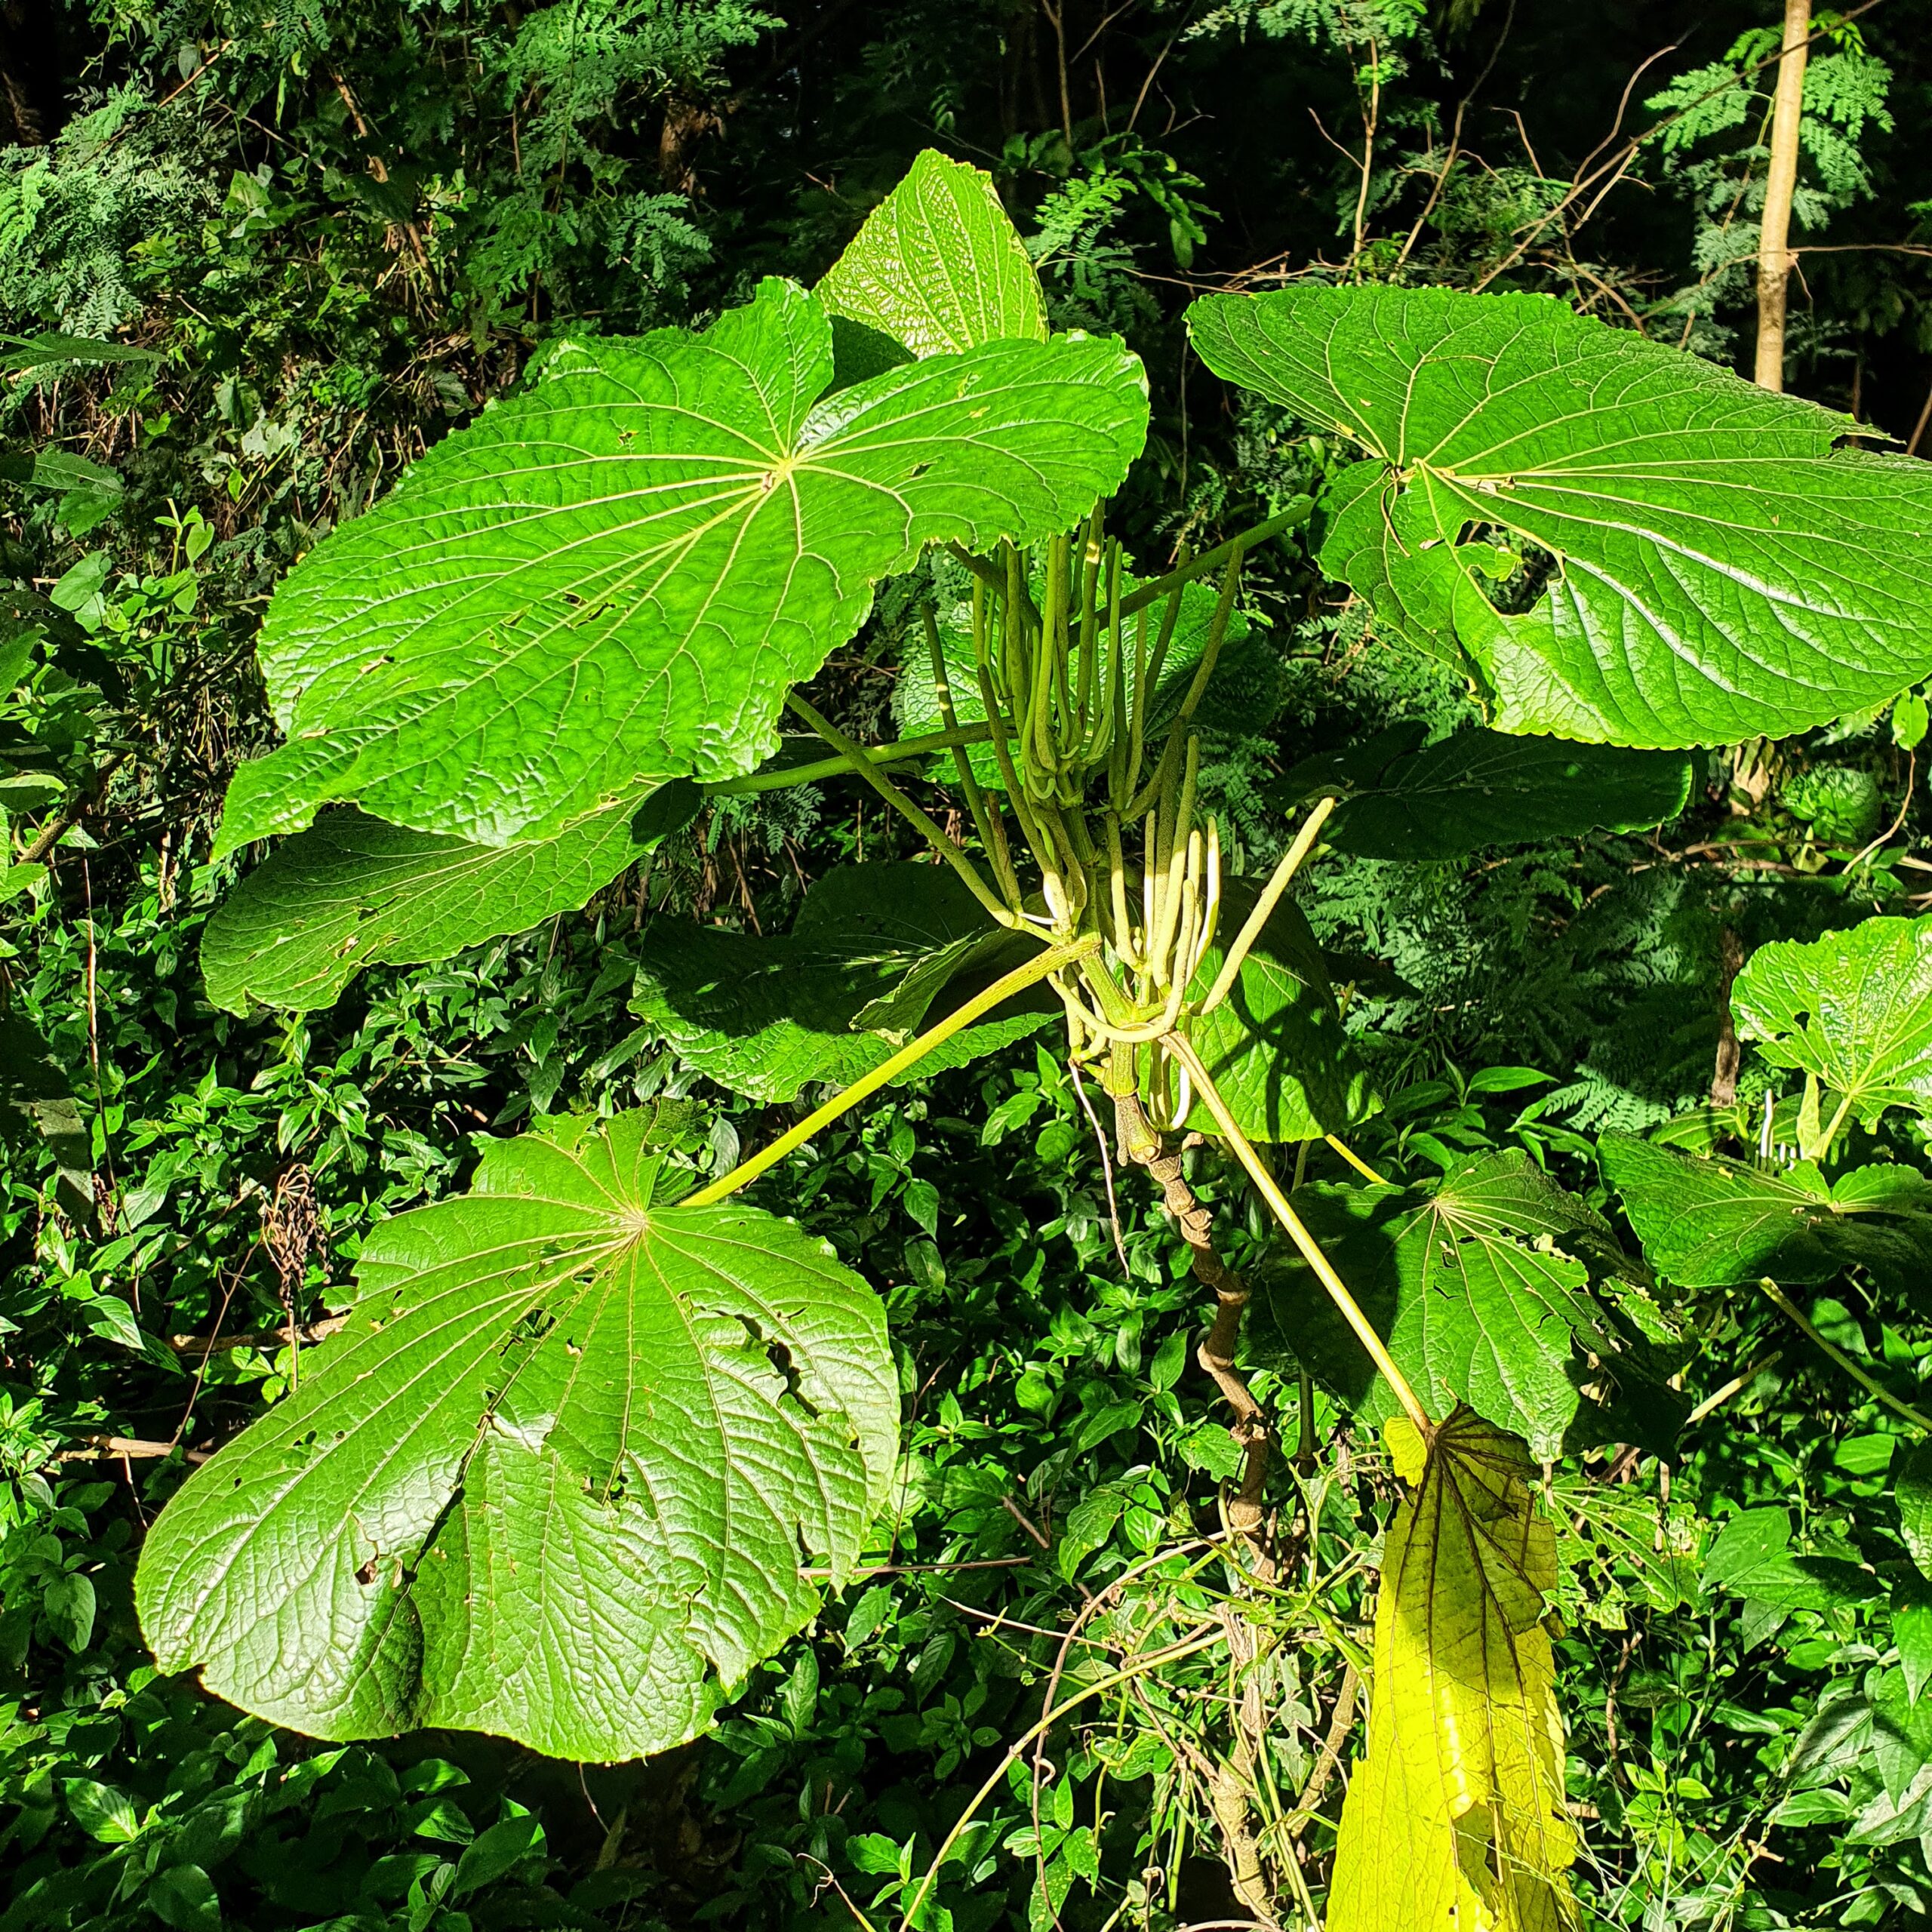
(554, 1478)
(1484, 1289)
(1722, 572)
(1405, 801)
(351, 892)
(1456, 1817)
(874, 950)
(1710, 1222)
(1853, 1009)
(1275, 1047)
(613, 578)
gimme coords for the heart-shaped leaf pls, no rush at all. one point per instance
(1483, 1288)
(1708, 1223)
(1484, 788)
(1853, 1009)
(872, 948)
(557, 1478)
(1719, 572)
(612, 579)
(937, 267)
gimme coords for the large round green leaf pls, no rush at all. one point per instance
(1720, 571)
(613, 578)
(557, 1479)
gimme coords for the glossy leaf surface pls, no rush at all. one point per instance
(1707, 1223)
(938, 268)
(1484, 1288)
(611, 579)
(872, 950)
(557, 1477)
(1457, 1817)
(1720, 571)
(1402, 800)
(1853, 1009)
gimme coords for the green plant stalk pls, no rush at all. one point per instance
(1311, 1251)
(1780, 1300)
(903, 752)
(987, 815)
(1264, 906)
(1036, 969)
(928, 827)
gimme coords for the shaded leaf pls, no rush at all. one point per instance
(1719, 571)
(1853, 1009)
(556, 1479)
(1456, 1815)
(1274, 1047)
(1482, 1287)
(937, 267)
(612, 578)
(1706, 1222)
(1912, 1489)
(871, 951)
(1486, 788)
(351, 892)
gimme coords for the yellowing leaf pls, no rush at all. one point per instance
(1455, 1819)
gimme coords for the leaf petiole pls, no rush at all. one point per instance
(1036, 969)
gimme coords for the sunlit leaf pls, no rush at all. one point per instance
(1486, 1289)
(1706, 1222)
(1457, 1817)
(1853, 1009)
(612, 578)
(1719, 571)
(557, 1479)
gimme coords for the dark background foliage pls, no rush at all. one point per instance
(326, 233)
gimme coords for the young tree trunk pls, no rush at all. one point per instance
(1774, 262)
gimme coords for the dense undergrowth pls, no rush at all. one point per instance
(324, 236)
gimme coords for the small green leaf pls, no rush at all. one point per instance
(1274, 1047)
(67, 1605)
(1706, 1222)
(352, 892)
(493, 1853)
(1910, 717)
(102, 1812)
(1485, 1289)
(1719, 571)
(1486, 788)
(612, 578)
(557, 1479)
(184, 1897)
(938, 268)
(1853, 1009)
(1709, 1222)
(873, 949)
